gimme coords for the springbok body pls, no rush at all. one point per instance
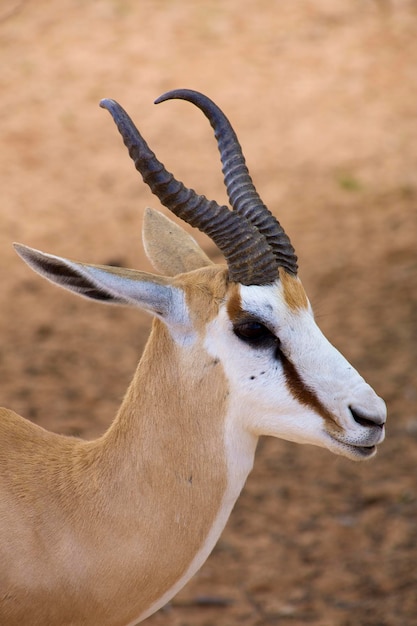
(107, 531)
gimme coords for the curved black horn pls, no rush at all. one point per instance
(242, 194)
(249, 258)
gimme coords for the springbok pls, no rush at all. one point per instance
(107, 531)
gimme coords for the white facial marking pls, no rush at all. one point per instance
(267, 402)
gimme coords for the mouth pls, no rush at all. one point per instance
(352, 452)
(364, 452)
(357, 450)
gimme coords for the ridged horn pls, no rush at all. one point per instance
(249, 259)
(242, 194)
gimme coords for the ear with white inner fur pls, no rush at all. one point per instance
(169, 248)
(113, 285)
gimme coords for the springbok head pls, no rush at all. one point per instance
(284, 378)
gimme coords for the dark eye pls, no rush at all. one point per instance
(253, 332)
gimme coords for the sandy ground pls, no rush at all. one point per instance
(323, 94)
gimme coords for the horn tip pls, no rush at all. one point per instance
(111, 106)
(106, 103)
(181, 94)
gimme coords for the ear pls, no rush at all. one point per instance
(169, 248)
(113, 285)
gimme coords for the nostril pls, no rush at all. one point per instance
(365, 421)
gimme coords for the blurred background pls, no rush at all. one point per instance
(323, 95)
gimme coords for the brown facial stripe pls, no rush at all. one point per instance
(296, 298)
(234, 304)
(301, 392)
(294, 293)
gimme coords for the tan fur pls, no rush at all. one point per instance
(234, 303)
(294, 293)
(207, 285)
(95, 530)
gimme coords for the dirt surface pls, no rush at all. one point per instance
(323, 95)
